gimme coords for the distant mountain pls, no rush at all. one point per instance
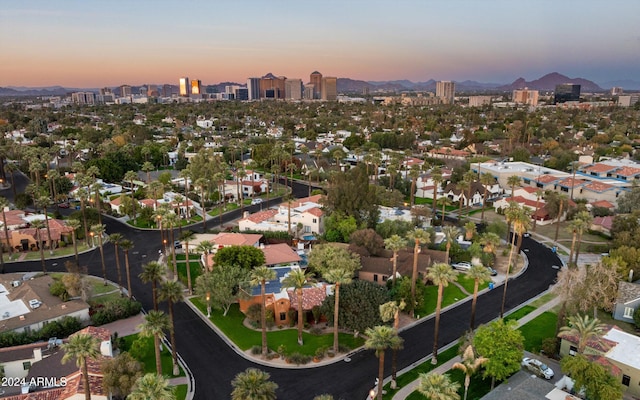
(53, 91)
(626, 84)
(549, 82)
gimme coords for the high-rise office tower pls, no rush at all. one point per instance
(184, 86)
(125, 90)
(566, 92)
(616, 91)
(446, 90)
(293, 89)
(196, 87)
(167, 90)
(253, 85)
(152, 91)
(329, 90)
(272, 87)
(316, 80)
(525, 96)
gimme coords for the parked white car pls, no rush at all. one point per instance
(537, 367)
(461, 266)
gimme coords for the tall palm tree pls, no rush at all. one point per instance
(470, 230)
(186, 237)
(205, 247)
(203, 184)
(468, 179)
(4, 204)
(381, 338)
(450, 234)
(469, 365)
(513, 181)
(148, 167)
(440, 274)
(98, 200)
(487, 180)
(43, 202)
(520, 219)
(395, 243)
(586, 219)
(38, 225)
(479, 274)
(444, 201)
(98, 230)
(152, 272)
(419, 237)
(131, 176)
(436, 386)
(414, 174)
(152, 387)
(337, 276)
(155, 323)
(116, 238)
(253, 384)
(126, 245)
(83, 195)
(74, 224)
(436, 177)
(82, 346)
(391, 311)
(298, 279)
(171, 220)
(489, 242)
(584, 328)
(563, 202)
(260, 276)
(172, 292)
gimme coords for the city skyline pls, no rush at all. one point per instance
(100, 43)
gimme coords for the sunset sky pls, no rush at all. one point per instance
(91, 43)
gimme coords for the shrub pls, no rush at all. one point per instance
(59, 289)
(255, 350)
(316, 330)
(343, 349)
(320, 351)
(549, 346)
(139, 348)
(636, 317)
(297, 358)
(253, 313)
(115, 310)
(60, 328)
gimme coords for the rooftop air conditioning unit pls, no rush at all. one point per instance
(15, 283)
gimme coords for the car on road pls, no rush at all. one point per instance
(256, 201)
(177, 244)
(63, 205)
(537, 367)
(492, 271)
(461, 266)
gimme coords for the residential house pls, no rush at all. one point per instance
(602, 224)
(627, 302)
(27, 305)
(380, 269)
(306, 217)
(618, 350)
(25, 238)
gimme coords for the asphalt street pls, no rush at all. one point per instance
(214, 364)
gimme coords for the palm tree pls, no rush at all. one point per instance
(74, 224)
(131, 176)
(203, 184)
(172, 292)
(513, 181)
(253, 384)
(116, 238)
(469, 365)
(414, 174)
(82, 346)
(391, 311)
(148, 167)
(152, 272)
(186, 237)
(419, 237)
(126, 245)
(43, 201)
(98, 230)
(260, 276)
(586, 219)
(519, 217)
(470, 230)
(83, 195)
(152, 387)
(4, 204)
(487, 180)
(38, 225)
(395, 243)
(585, 328)
(563, 201)
(479, 274)
(489, 242)
(539, 194)
(155, 323)
(444, 201)
(205, 247)
(381, 338)
(298, 279)
(436, 386)
(440, 274)
(450, 234)
(170, 220)
(337, 276)
(468, 179)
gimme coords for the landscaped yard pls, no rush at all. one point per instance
(468, 283)
(149, 359)
(196, 271)
(450, 295)
(245, 338)
(538, 329)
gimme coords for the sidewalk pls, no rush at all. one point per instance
(411, 387)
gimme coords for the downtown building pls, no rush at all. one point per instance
(566, 92)
(525, 96)
(446, 90)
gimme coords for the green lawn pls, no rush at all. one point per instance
(468, 283)
(246, 338)
(57, 252)
(229, 207)
(540, 328)
(450, 295)
(149, 359)
(477, 388)
(181, 392)
(196, 271)
(545, 298)
(516, 315)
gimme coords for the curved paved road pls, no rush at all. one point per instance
(214, 364)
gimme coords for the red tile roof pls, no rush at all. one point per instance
(598, 186)
(628, 171)
(547, 178)
(599, 168)
(279, 253)
(605, 222)
(261, 216)
(316, 211)
(311, 297)
(603, 203)
(570, 182)
(236, 239)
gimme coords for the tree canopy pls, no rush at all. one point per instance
(502, 344)
(359, 305)
(246, 257)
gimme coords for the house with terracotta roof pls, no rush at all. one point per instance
(602, 224)
(280, 254)
(306, 217)
(616, 349)
(27, 305)
(21, 236)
